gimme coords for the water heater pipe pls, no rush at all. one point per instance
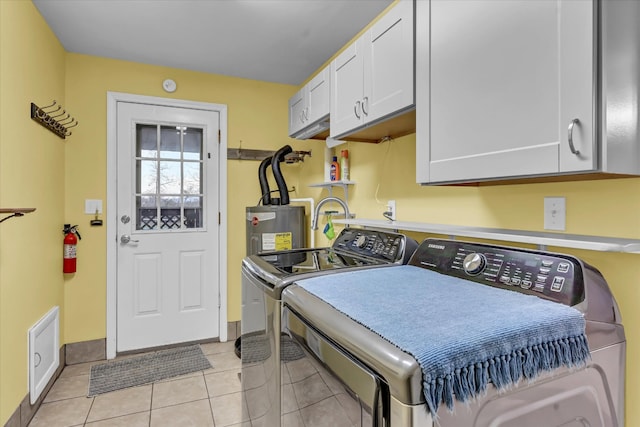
(311, 210)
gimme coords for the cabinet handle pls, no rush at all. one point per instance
(365, 105)
(570, 131)
(306, 114)
(356, 109)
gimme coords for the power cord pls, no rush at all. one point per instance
(387, 213)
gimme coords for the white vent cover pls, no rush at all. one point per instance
(44, 352)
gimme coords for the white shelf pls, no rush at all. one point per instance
(329, 184)
(15, 212)
(594, 243)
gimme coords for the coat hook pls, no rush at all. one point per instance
(49, 106)
(72, 126)
(58, 115)
(43, 114)
(64, 121)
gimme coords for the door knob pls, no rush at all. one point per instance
(125, 238)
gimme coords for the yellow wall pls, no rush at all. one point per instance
(257, 119)
(31, 175)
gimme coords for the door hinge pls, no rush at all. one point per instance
(219, 218)
(208, 155)
(219, 136)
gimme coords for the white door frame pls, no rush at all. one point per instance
(111, 232)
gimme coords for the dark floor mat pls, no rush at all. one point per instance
(146, 369)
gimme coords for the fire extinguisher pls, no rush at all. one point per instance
(70, 242)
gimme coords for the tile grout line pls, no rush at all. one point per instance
(153, 386)
(213, 420)
(86, 418)
(115, 416)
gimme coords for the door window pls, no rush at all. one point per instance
(169, 175)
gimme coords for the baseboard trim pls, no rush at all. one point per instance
(23, 414)
(86, 351)
(233, 330)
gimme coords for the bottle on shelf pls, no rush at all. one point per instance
(335, 170)
(344, 165)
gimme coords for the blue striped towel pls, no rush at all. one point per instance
(463, 334)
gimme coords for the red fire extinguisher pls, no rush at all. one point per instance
(70, 242)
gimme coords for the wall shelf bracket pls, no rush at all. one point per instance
(14, 212)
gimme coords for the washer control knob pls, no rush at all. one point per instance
(474, 263)
(361, 241)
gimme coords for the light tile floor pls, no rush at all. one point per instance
(201, 399)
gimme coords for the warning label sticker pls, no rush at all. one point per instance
(277, 241)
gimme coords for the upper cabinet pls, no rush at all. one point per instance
(373, 78)
(520, 89)
(309, 107)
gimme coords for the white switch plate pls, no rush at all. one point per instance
(555, 213)
(90, 206)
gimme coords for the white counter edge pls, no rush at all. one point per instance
(594, 243)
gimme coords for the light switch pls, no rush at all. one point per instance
(92, 205)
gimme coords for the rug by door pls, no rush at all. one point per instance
(146, 369)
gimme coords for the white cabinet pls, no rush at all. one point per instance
(504, 89)
(309, 107)
(373, 77)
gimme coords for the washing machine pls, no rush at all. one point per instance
(466, 335)
(266, 352)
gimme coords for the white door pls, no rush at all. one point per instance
(167, 225)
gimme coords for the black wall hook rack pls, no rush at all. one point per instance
(51, 118)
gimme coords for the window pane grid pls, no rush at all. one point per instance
(169, 190)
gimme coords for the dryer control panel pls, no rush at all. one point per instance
(381, 245)
(557, 277)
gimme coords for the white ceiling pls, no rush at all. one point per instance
(282, 41)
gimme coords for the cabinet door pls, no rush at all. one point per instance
(297, 110)
(319, 92)
(504, 78)
(577, 87)
(347, 89)
(389, 64)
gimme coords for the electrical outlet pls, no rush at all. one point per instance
(555, 214)
(391, 208)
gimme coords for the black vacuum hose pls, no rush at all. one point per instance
(275, 166)
(264, 184)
